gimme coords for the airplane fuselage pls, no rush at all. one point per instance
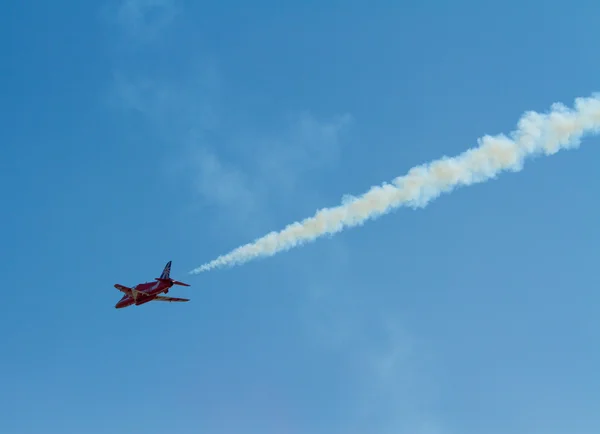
(143, 293)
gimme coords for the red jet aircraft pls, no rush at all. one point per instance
(149, 291)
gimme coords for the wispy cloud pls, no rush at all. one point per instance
(245, 175)
(177, 108)
(268, 177)
(145, 20)
(397, 394)
(392, 394)
(389, 388)
(308, 144)
(223, 184)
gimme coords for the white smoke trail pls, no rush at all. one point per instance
(561, 128)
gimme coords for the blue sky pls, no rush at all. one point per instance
(137, 132)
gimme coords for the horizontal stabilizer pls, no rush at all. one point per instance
(174, 282)
(169, 299)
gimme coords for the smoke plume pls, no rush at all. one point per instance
(536, 134)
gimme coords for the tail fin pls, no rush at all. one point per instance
(166, 276)
(166, 272)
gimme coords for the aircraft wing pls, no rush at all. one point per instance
(169, 299)
(122, 288)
